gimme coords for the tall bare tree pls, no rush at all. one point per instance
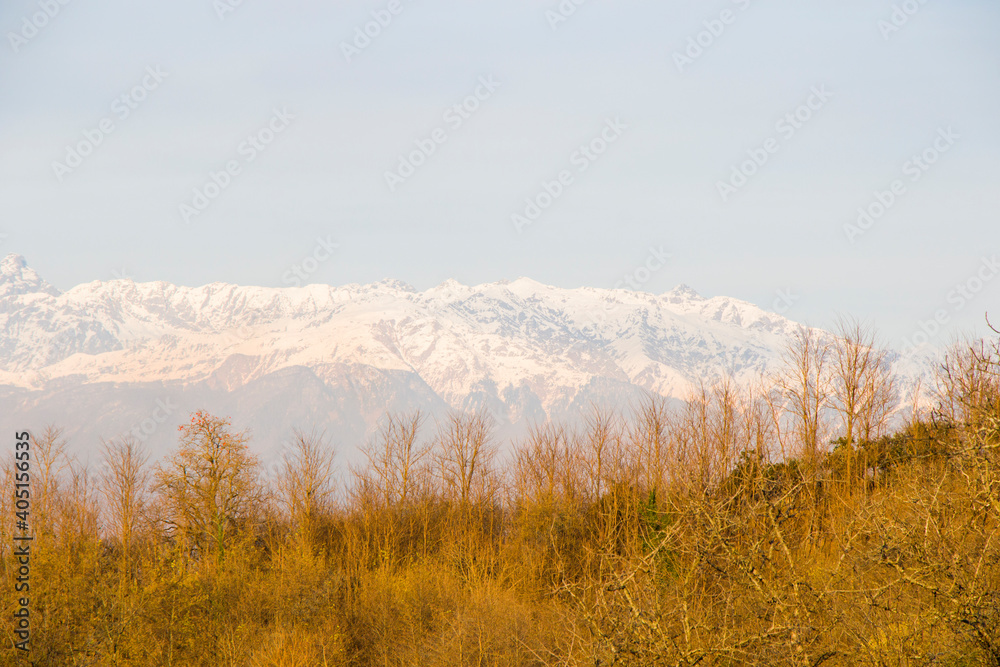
(863, 387)
(50, 462)
(545, 467)
(653, 444)
(396, 460)
(464, 457)
(305, 482)
(804, 387)
(124, 487)
(602, 451)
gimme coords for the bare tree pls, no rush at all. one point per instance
(650, 437)
(967, 383)
(544, 469)
(803, 385)
(49, 450)
(758, 426)
(81, 513)
(852, 358)
(602, 455)
(862, 385)
(305, 483)
(396, 460)
(880, 398)
(124, 485)
(465, 451)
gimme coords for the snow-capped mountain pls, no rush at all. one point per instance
(109, 357)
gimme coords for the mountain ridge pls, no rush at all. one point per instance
(521, 349)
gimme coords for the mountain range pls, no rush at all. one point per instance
(107, 358)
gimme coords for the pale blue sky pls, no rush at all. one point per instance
(656, 186)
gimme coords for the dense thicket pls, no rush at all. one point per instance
(782, 525)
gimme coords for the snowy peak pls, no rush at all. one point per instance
(395, 285)
(683, 293)
(17, 278)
